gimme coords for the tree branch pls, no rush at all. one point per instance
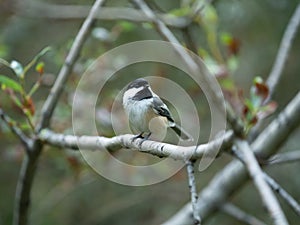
(56, 90)
(146, 146)
(287, 157)
(246, 155)
(283, 193)
(193, 191)
(240, 215)
(22, 197)
(15, 130)
(66, 12)
(283, 51)
(234, 175)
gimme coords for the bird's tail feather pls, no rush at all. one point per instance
(182, 133)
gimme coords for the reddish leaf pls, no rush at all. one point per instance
(234, 46)
(261, 89)
(40, 67)
(29, 105)
(267, 110)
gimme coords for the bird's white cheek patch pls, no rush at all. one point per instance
(130, 93)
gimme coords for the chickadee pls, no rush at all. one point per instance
(142, 105)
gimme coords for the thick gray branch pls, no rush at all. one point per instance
(234, 175)
(152, 147)
(258, 177)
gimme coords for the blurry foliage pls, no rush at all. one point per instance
(237, 41)
(16, 89)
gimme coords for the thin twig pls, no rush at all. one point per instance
(245, 153)
(146, 146)
(225, 183)
(283, 51)
(240, 215)
(193, 191)
(281, 158)
(52, 100)
(15, 129)
(283, 193)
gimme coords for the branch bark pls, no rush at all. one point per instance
(193, 191)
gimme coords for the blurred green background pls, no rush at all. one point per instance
(66, 190)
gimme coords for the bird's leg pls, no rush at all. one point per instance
(138, 136)
(147, 136)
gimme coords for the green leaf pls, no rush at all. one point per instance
(40, 67)
(226, 38)
(227, 83)
(10, 83)
(127, 26)
(232, 63)
(17, 68)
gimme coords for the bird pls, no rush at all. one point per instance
(143, 106)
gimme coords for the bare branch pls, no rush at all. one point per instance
(245, 153)
(15, 130)
(146, 146)
(234, 175)
(283, 193)
(66, 12)
(240, 215)
(283, 51)
(51, 101)
(193, 191)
